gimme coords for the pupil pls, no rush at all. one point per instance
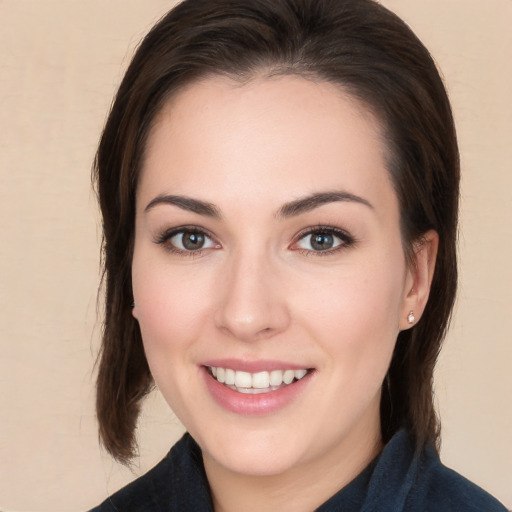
(193, 241)
(322, 242)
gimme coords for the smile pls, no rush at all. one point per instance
(255, 383)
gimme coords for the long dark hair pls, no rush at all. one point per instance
(358, 45)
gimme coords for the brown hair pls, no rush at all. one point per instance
(369, 52)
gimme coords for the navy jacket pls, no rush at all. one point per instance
(397, 481)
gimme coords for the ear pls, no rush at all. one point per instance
(134, 310)
(419, 279)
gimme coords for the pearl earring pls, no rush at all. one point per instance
(411, 317)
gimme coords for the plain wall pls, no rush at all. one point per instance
(60, 63)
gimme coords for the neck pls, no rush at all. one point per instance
(299, 489)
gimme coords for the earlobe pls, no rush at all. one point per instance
(419, 279)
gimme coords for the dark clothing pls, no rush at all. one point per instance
(396, 481)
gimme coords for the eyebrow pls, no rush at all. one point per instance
(187, 204)
(308, 203)
(291, 209)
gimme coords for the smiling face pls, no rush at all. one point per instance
(268, 256)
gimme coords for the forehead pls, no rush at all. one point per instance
(271, 137)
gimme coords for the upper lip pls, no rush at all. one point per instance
(254, 366)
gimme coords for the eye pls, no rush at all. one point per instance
(324, 240)
(186, 240)
(191, 241)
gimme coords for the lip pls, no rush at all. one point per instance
(254, 404)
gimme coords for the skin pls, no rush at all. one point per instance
(258, 289)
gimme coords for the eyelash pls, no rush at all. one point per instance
(346, 240)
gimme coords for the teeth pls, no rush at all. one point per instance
(276, 378)
(300, 373)
(230, 377)
(246, 382)
(243, 380)
(260, 380)
(288, 376)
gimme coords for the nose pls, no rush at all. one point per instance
(252, 304)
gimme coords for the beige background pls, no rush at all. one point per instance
(60, 62)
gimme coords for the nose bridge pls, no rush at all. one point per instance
(251, 305)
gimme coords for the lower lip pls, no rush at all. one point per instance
(254, 404)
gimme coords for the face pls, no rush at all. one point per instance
(268, 272)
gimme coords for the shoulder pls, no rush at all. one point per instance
(141, 495)
(408, 480)
(177, 483)
(440, 489)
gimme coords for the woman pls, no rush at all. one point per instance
(279, 187)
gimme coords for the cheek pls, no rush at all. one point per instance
(170, 310)
(355, 313)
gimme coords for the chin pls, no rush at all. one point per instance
(256, 461)
(251, 452)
